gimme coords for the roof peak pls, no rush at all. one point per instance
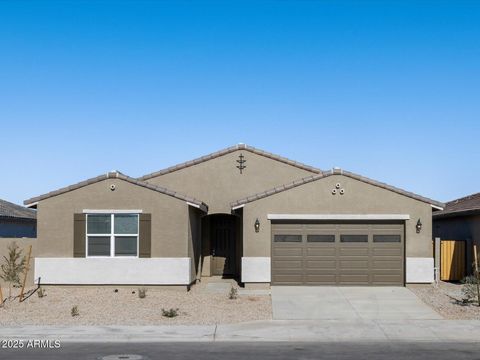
(118, 175)
(228, 150)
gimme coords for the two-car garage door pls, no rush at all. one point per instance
(338, 254)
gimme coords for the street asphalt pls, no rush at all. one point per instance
(242, 350)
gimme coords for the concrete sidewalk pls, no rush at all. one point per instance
(276, 330)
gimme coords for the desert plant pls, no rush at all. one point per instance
(142, 293)
(74, 311)
(13, 266)
(41, 292)
(469, 290)
(233, 294)
(170, 313)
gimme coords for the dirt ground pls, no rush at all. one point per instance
(446, 299)
(104, 306)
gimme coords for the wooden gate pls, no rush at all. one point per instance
(452, 260)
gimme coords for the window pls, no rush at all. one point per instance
(354, 238)
(287, 238)
(321, 238)
(386, 238)
(112, 235)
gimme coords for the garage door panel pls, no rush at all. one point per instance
(320, 264)
(320, 251)
(288, 251)
(387, 264)
(338, 254)
(387, 251)
(353, 251)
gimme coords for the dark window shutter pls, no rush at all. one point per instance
(79, 238)
(145, 236)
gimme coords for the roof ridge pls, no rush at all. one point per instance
(12, 210)
(464, 198)
(226, 151)
(324, 174)
(121, 176)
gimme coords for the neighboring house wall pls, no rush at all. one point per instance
(316, 198)
(218, 182)
(459, 228)
(24, 244)
(18, 228)
(172, 241)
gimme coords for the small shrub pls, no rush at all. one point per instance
(74, 311)
(41, 292)
(170, 313)
(13, 266)
(469, 290)
(233, 293)
(142, 293)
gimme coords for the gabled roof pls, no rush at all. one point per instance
(466, 205)
(227, 151)
(14, 211)
(325, 174)
(118, 175)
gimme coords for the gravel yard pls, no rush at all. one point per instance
(104, 306)
(446, 299)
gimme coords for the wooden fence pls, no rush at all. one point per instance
(452, 260)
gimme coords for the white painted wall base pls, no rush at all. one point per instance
(114, 271)
(256, 269)
(419, 270)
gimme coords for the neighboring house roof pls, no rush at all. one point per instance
(227, 151)
(464, 206)
(11, 210)
(325, 174)
(118, 175)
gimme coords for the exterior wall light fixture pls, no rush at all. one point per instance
(419, 226)
(257, 226)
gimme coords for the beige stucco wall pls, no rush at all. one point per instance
(169, 217)
(24, 244)
(316, 197)
(218, 182)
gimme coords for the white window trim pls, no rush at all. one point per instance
(112, 236)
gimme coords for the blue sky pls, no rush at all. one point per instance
(389, 90)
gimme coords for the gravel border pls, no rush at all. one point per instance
(104, 306)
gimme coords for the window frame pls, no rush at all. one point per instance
(112, 235)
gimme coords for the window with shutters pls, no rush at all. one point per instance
(112, 235)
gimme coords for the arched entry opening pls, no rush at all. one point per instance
(221, 238)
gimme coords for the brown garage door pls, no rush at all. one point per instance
(338, 254)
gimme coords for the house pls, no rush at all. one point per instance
(239, 212)
(17, 221)
(460, 220)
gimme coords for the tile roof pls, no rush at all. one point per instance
(119, 175)
(228, 151)
(462, 206)
(11, 210)
(325, 174)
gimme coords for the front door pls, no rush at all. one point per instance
(223, 244)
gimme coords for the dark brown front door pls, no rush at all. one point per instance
(223, 244)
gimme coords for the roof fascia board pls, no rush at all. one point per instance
(338, 217)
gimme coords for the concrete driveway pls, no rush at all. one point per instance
(348, 303)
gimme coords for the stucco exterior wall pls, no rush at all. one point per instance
(316, 198)
(218, 182)
(457, 228)
(460, 228)
(169, 217)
